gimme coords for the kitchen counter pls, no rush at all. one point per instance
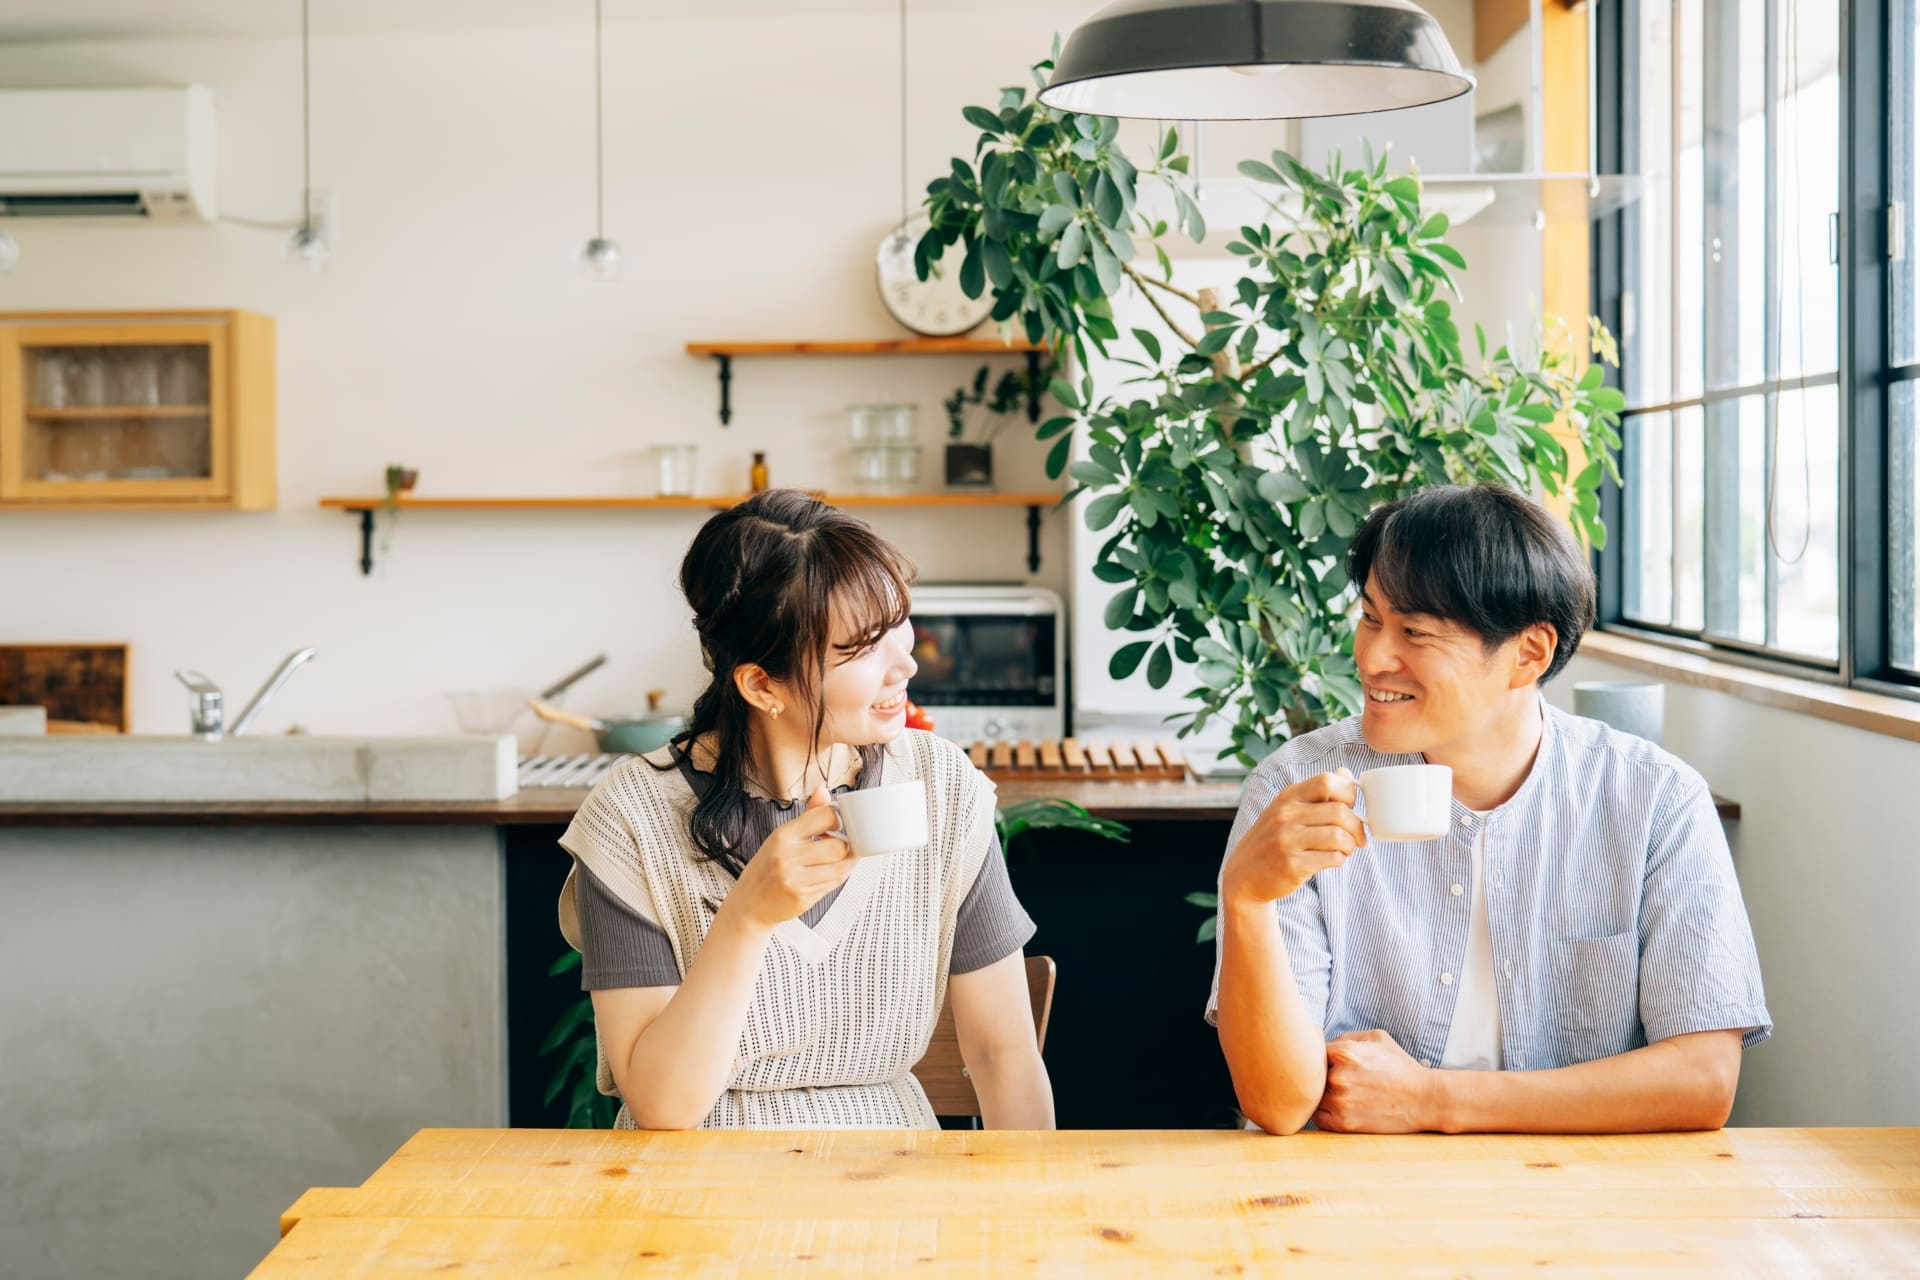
(554, 806)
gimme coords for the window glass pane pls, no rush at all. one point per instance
(1648, 548)
(1689, 517)
(1689, 294)
(1806, 521)
(1903, 529)
(1753, 519)
(1808, 155)
(1903, 180)
(1647, 309)
(1744, 252)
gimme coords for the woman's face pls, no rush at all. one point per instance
(865, 692)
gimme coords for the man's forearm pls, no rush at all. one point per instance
(1276, 1052)
(1679, 1084)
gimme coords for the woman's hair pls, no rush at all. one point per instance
(767, 580)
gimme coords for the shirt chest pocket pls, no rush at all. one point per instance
(1597, 991)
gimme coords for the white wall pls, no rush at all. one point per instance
(751, 168)
(1829, 862)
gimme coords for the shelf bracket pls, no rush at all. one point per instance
(1033, 539)
(366, 538)
(726, 386)
(1033, 386)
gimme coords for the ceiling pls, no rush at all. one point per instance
(56, 21)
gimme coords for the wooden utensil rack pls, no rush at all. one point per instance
(1079, 760)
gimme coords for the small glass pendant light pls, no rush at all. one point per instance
(1254, 60)
(602, 258)
(307, 248)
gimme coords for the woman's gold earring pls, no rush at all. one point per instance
(774, 711)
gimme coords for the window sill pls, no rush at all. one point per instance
(1874, 712)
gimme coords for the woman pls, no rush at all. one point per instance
(747, 970)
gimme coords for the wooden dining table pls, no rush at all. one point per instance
(594, 1204)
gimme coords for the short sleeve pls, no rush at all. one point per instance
(619, 947)
(991, 924)
(1699, 970)
(1302, 926)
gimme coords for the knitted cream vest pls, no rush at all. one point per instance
(841, 1011)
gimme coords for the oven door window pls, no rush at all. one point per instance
(974, 660)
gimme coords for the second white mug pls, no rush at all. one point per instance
(1407, 801)
(884, 819)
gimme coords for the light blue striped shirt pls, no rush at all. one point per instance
(1615, 914)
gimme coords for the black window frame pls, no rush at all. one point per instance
(1865, 372)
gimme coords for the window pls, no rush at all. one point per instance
(1766, 293)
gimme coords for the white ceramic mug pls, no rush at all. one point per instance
(1407, 801)
(883, 819)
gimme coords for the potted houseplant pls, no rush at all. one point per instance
(973, 411)
(1230, 474)
(399, 480)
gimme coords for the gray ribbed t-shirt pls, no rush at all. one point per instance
(621, 948)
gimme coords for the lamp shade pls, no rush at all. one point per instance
(1254, 60)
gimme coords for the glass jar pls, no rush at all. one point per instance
(673, 470)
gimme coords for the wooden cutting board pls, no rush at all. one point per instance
(1080, 760)
(82, 686)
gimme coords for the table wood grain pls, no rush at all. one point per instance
(492, 1202)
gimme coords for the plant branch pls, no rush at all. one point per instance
(1154, 302)
(1166, 286)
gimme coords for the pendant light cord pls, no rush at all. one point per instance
(306, 120)
(903, 116)
(599, 179)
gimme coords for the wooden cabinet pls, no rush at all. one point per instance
(121, 411)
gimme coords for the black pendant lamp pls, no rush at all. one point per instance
(1254, 60)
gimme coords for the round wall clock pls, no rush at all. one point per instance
(935, 307)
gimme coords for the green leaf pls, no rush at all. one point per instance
(1434, 227)
(1057, 457)
(1107, 205)
(1208, 900)
(1073, 245)
(972, 275)
(1592, 378)
(1126, 659)
(1059, 389)
(981, 118)
(1212, 340)
(1281, 487)
(1536, 412)
(1261, 173)
(1160, 668)
(1053, 218)
(1103, 510)
(1448, 254)
(565, 964)
(1149, 344)
(1120, 609)
(1405, 190)
(1209, 929)
(1106, 267)
(999, 264)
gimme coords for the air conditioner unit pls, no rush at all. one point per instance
(108, 153)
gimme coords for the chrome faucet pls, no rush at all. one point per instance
(206, 704)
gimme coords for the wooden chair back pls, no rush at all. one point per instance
(942, 1072)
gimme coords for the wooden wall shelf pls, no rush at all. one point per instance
(364, 507)
(724, 352)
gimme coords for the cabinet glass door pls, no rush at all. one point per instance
(124, 412)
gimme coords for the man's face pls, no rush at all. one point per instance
(1430, 684)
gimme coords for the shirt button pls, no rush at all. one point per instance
(1455, 890)
(1466, 819)
(1509, 968)
(1426, 1062)
(1446, 979)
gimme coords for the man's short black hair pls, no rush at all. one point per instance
(1483, 557)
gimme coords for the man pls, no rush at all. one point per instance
(1573, 957)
